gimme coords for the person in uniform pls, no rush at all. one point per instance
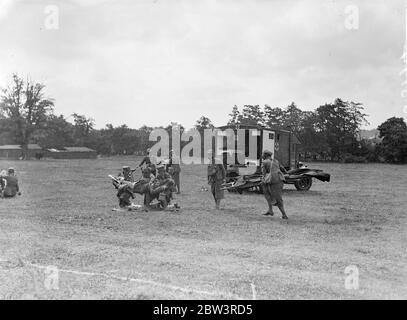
(216, 177)
(147, 176)
(174, 169)
(148, 162)
(9, 184)
(161, 187)
(273, 180)
(127, 174)
(3, 174)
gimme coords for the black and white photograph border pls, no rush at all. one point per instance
(203, 150)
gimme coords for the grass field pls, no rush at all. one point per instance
(64, 219)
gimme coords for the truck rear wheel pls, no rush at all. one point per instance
(304, 184)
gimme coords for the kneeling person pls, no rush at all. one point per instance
(9, 184)
(161, 188)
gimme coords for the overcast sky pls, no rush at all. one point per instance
(154, 61)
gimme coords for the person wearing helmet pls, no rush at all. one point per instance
(161, 188)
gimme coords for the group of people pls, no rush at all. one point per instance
(172, 167)
(272, 181)
(9, 187)
(159, 182)
(272, 184)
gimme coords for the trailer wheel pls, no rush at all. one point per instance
(304, 184)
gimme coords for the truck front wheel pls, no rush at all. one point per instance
(304, 184)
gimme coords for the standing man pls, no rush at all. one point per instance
(216, 177)
(273, 184)
(9, 184)
(174, 168)
(161, 188)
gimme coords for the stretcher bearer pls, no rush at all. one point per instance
(174, 168)
(149, 162)
(9, 185)
(216, 178)
(273, 180)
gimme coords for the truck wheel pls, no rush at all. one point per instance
(304, 184)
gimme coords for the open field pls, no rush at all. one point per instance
(64, 219)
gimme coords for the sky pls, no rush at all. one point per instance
(153, 62)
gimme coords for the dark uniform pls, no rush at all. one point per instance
(216, 177)
(146, 160)
(161, 188)
(149, 164)
(273, 188)
(174, 169)
(273, 181)
(128, 174)
(9, 185)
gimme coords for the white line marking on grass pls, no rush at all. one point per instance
(254, 293)
(137, 280)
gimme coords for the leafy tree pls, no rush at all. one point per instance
(235, 117)
(204, 123)
(394, 143)
(274, 117)
(144, 133)
(82, 128)
(252, 115)
(25, 107)
(340, 123)
(56, 133)
(6, 131)
(312, 139)
(293, 118)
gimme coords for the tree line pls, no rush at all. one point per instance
(330, 132)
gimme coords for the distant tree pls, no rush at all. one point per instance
(169, 129)
(6, 131)
(25, 109)
(252, 115)
(57, 133)
(312, 140)
(293, 118)
(340, 124)
(235, 116)
(274, 117)
(204, 123)
(393, 146)
(82, 128)
(144, 133)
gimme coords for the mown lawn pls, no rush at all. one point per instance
(64, 219)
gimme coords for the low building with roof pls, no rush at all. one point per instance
(72, 153)
(15, 152)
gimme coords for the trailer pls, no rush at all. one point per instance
(241, 149)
